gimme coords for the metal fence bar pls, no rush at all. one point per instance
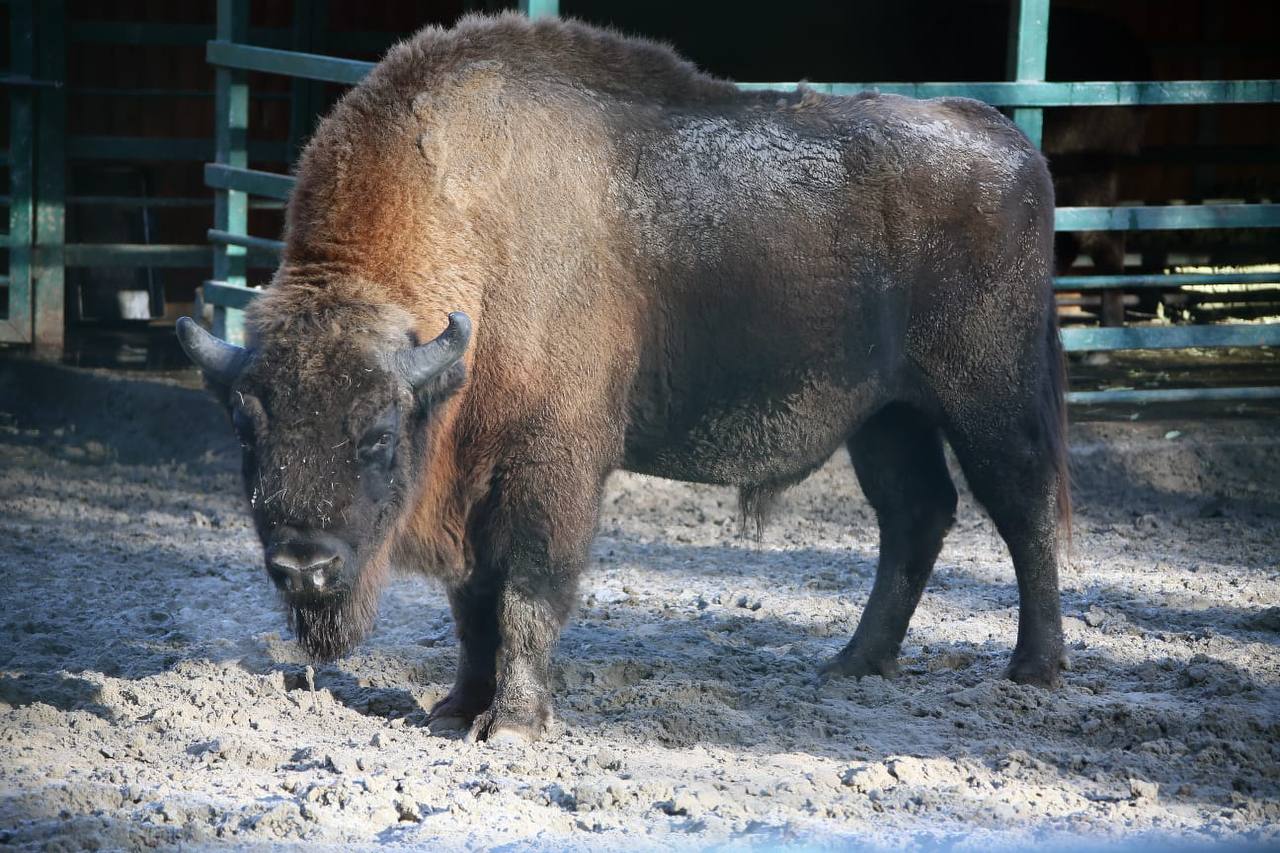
(1079, 94)
(1157, 280)
(162, 148)
(1092, 338)
(226, 297)
(1167, 217)
(251, 181)
(312, 66)
(1029, 33)
(272, 247)
(540, 8)
(49, 321)
(1124, 396)
(231, 131)
(16, 326)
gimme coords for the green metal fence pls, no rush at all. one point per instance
(41, 150)
(1027, 95)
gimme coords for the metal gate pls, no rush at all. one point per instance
(33, 282)
(1027, 95)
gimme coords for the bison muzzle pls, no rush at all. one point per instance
(665, 275)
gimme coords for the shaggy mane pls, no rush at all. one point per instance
(552, 50)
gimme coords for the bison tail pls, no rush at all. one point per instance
(1053, 408)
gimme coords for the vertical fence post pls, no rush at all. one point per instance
(310, 21)
(231, 131)
(540, 8)
(1028, 48)
(16, 326)
(51, 163)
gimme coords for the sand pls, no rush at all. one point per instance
(150, 694)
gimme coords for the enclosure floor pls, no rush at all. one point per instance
(149, 693)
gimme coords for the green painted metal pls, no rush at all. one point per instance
(222, 238)
(1144, 396)
(226, 297)
(540, 8)
(230, 55)
(16, 325)
(231, 132)
(309, 23)
(149, 32)
(1135, 282)
(1085, 339)
(1082, 94)
(166, 201)
(48, 315)
(161, 255)
(1029, 47)
(1167, 217)
(137, 255)
(162, 148)
(251, 181)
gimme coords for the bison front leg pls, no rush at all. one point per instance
(475, 613)
(537, 542)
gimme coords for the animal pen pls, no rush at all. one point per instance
(156, 686)
(40, 150)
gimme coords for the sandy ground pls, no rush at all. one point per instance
(149, 694)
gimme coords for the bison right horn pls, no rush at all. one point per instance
(219, 360)
(422, 364)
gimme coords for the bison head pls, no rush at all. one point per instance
(333, 427)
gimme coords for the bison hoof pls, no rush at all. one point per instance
(510, 725)
(852, 662)
(458, 709)
(1036, 669)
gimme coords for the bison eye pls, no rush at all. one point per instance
(379, 440)
(244, 428)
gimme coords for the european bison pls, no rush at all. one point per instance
(642, 267)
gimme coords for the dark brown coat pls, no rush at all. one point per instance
(663, 274)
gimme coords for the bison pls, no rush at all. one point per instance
(521, 255)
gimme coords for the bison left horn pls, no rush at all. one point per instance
(219, 360)
(422, 364)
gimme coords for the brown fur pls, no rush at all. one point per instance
(667, 275)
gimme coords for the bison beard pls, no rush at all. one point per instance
(330, 630)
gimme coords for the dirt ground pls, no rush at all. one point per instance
(150, 695)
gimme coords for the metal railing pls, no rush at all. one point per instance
(1028, 95)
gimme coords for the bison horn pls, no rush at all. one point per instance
(219, 360)
(422, 364)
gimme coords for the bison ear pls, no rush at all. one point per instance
(220, 361)
(420, 365)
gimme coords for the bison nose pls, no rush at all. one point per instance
(303, 567)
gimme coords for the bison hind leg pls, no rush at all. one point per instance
(899, 460)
